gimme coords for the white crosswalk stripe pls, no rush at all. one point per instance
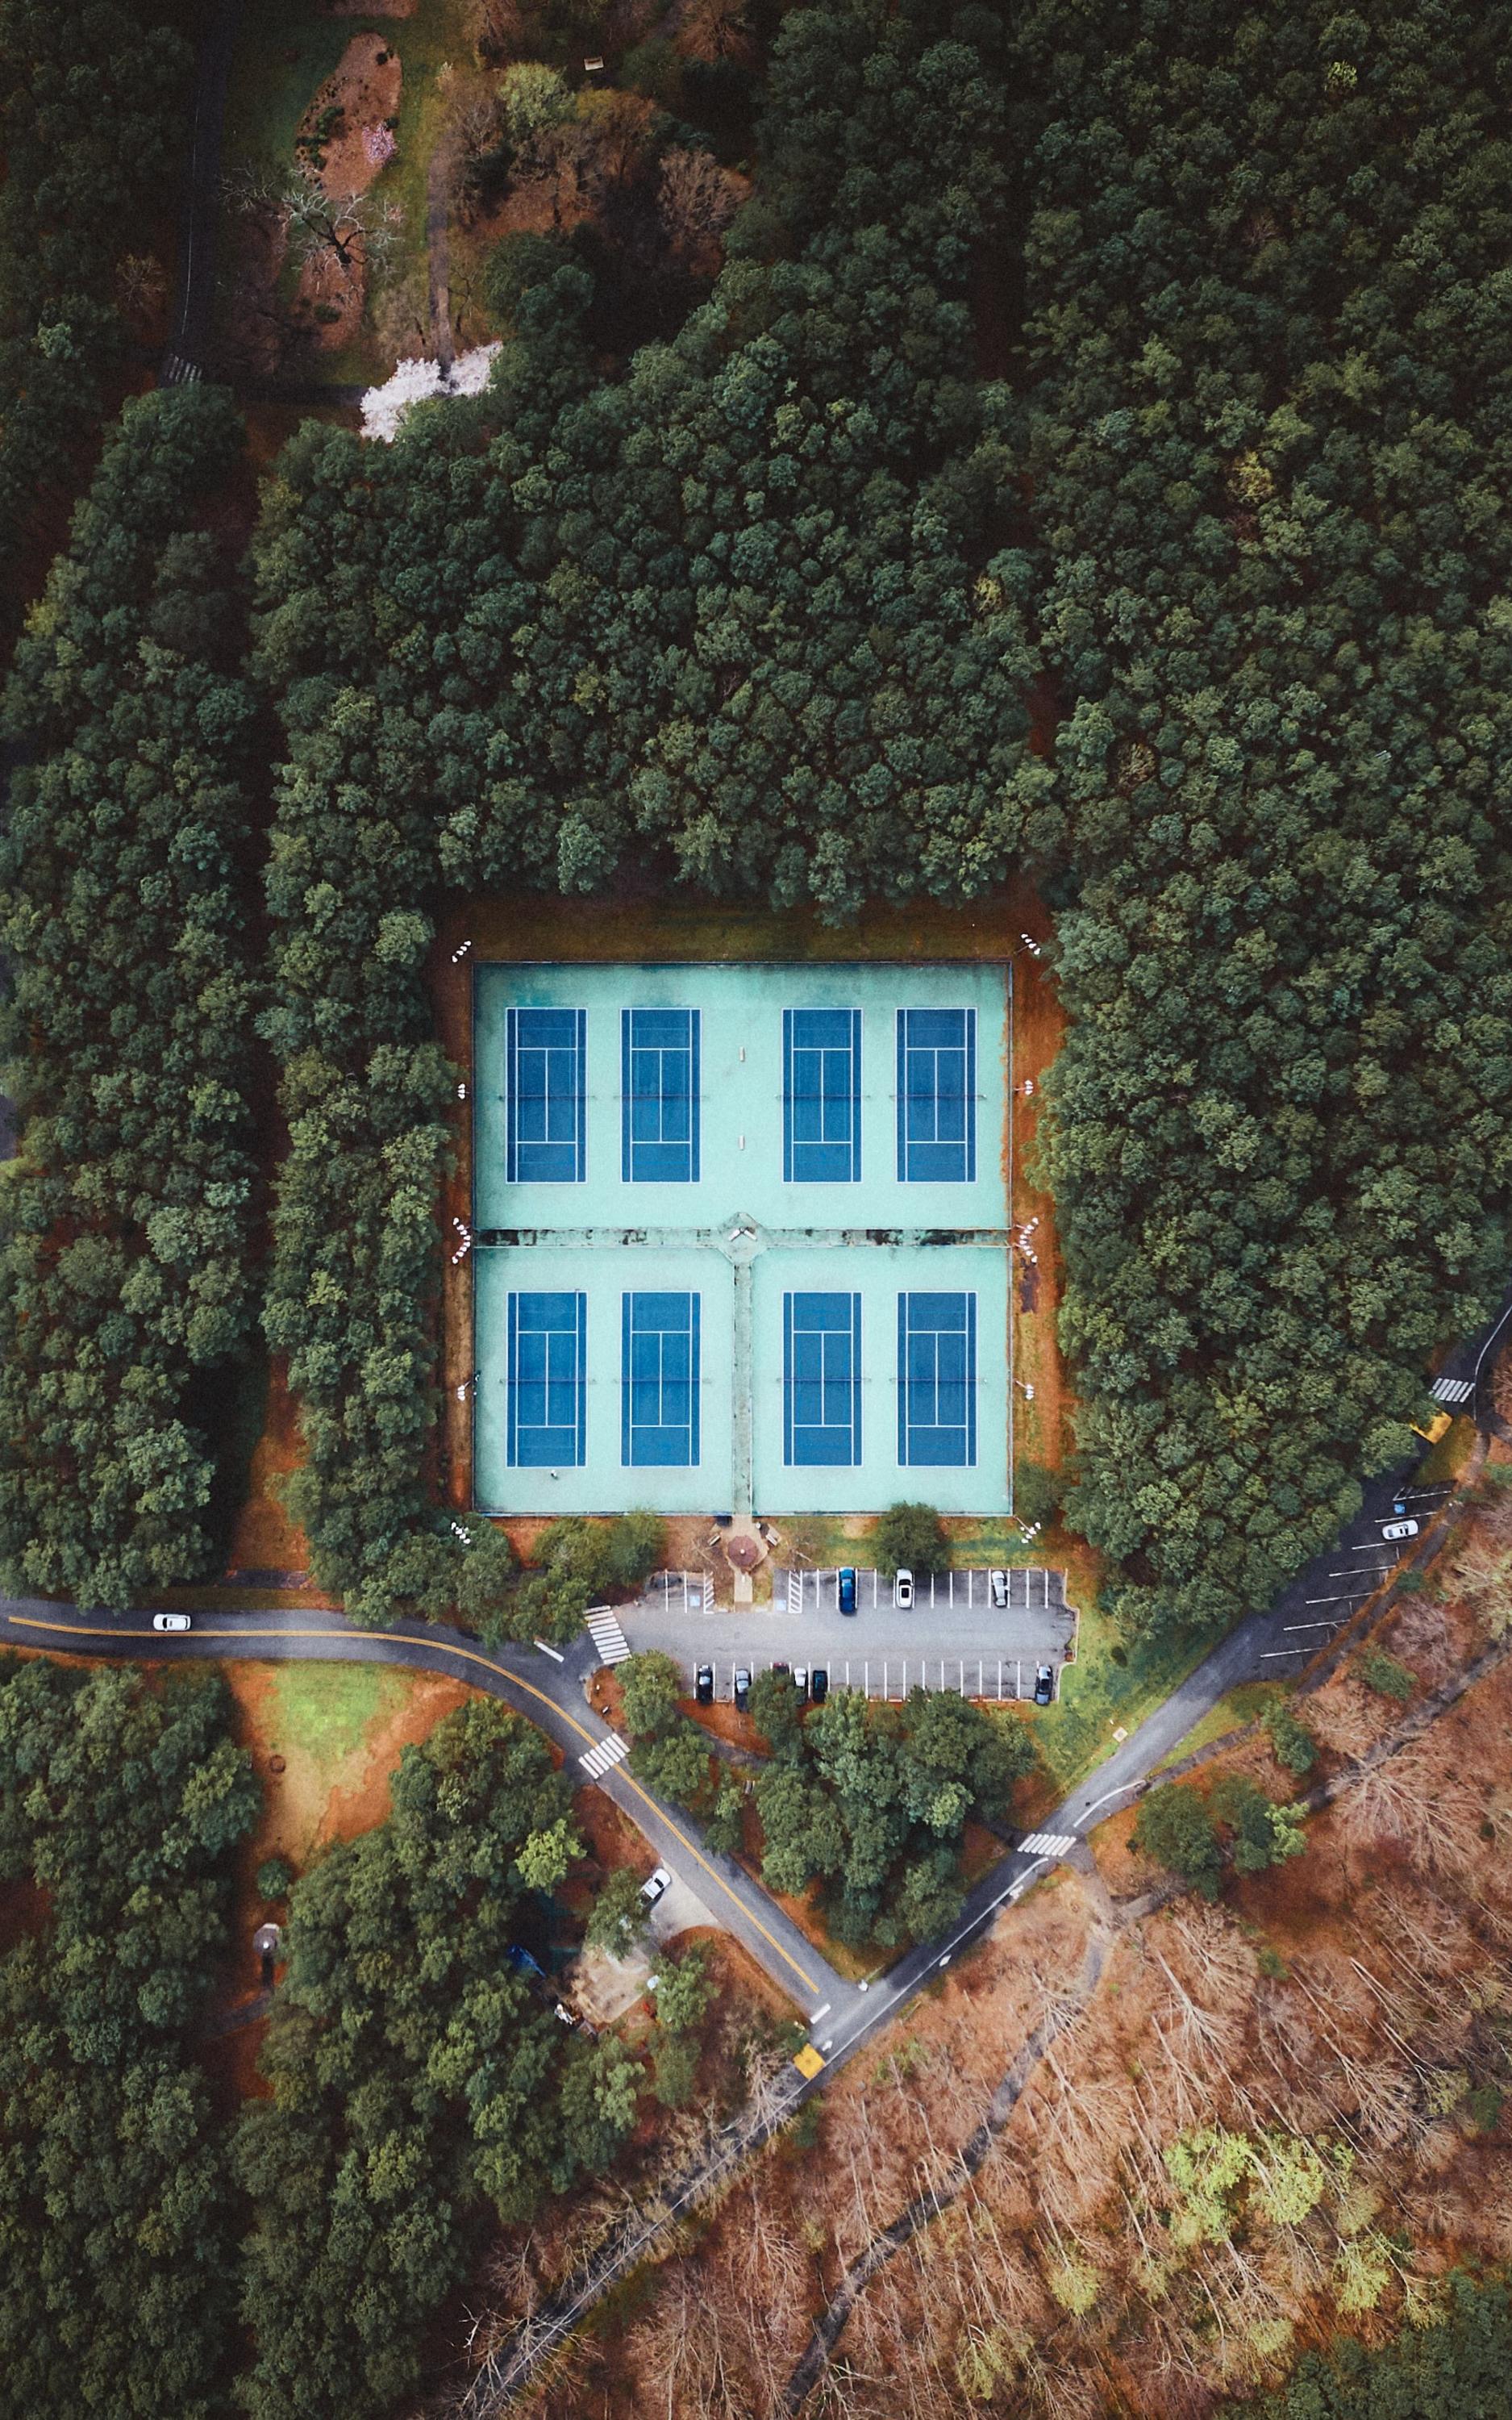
(608, 1637)
(1452, 1390)
(1048, 1844)
(599, 1759)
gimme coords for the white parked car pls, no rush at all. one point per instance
(997, 1589)
(172, 1622)
(1399, 1528)
(654, 1885)
(903, 1589)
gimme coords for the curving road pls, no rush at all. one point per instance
(549, 1693)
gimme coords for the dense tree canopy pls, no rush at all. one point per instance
(124, 876)
(872, 1801)
(120, 1804)
(92, 101)
(1461, 2365)
(416, 2080)
(1271, 449)
(752, 611)
(767, 611)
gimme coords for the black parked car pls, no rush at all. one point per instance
(819, 1684)
(742, 1690)
(1044, 1685)
(704, 1685)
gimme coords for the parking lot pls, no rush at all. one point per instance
(952, 1637)
(1340, 1583)
(1030, 1590)
(995, 1677)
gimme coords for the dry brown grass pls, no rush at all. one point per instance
(1351, 2001)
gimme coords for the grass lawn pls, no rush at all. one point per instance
(324, 1712)
(1443, 1465)
(1112, 1686)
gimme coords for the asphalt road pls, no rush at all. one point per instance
(549, 1693)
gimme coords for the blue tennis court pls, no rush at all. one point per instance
(740, 1237)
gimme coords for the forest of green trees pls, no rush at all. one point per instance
(161, 2257)
(417, 2081)
(1144, 366)
(120, 1804)
(126, 872)
(94, 103)
(1459, 2368)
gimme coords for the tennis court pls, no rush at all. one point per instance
(740, 1237)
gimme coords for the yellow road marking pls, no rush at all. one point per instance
(467, 1656)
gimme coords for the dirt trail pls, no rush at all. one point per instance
(439, 252)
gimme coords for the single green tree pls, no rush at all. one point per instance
(619, 1916)
(649, 1687)
(777, 1713)
(1174, 1828)
(909, 1537)
(1038, 1493)
(1291, 1741)
(684, 1992)
(544, 1859)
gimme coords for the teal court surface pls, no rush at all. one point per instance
(740, 1237)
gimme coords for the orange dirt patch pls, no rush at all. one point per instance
(726, 1723)
(610, 1838)
(23, 1910)
(265, 1538)
(260, 333)
(364, 87)
(331, 296)
(304, 1808)
(1042, 1427)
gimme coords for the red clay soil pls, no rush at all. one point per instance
(608, 1835)
(1042, 1427)
(364, 85)
(230, 2063)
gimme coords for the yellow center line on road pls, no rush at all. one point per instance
(466, 1655)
